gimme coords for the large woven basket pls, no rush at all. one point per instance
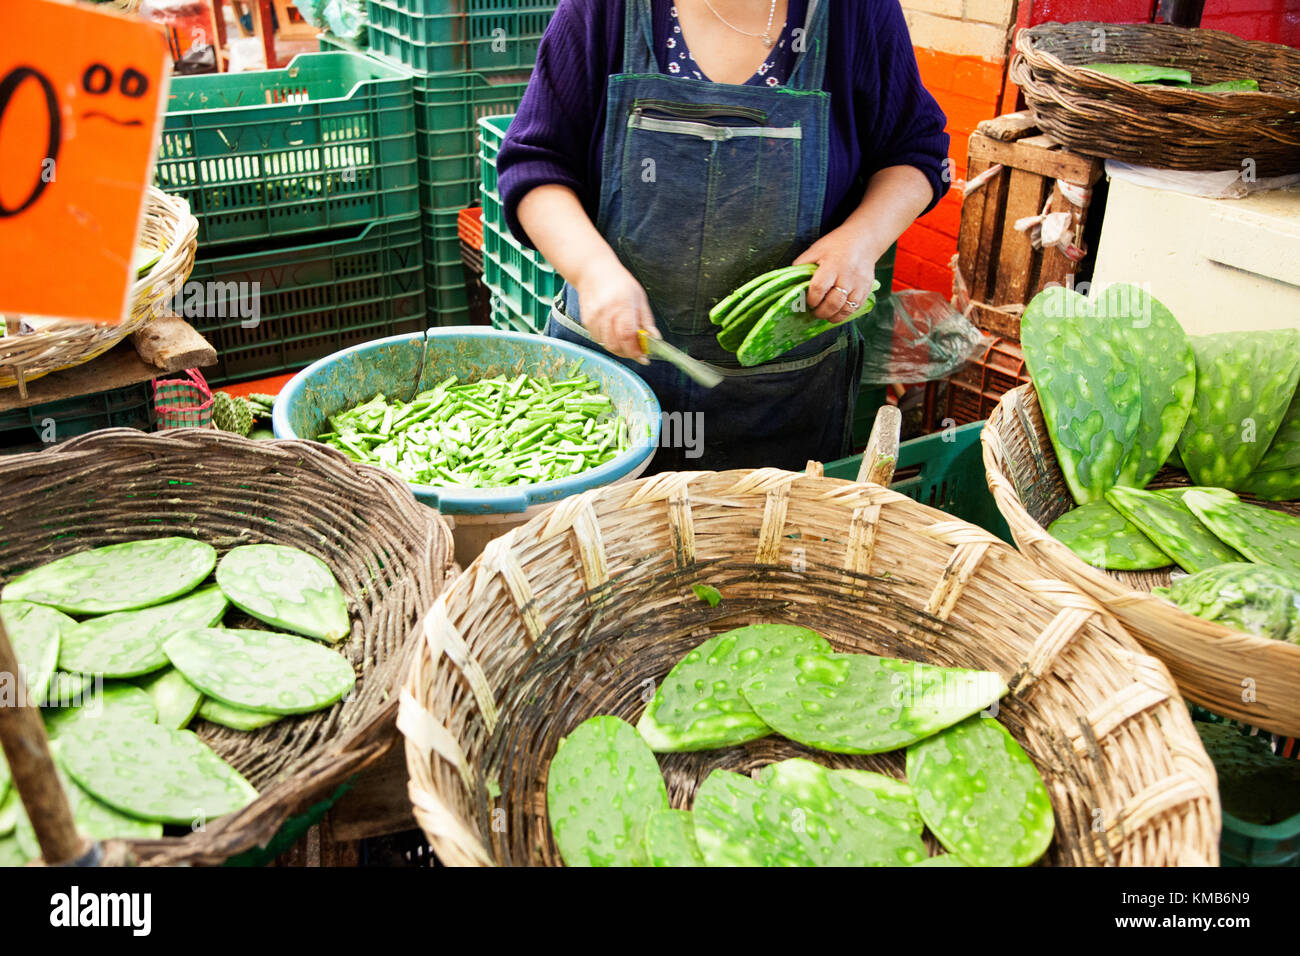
(580, 611)
(1151, 125)
(60, 343)
(1237, 675)
(391, 555)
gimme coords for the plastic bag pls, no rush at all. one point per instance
(1227, 184)
(310, 10)
(916, 336)
(1255, 598)
(344, 18)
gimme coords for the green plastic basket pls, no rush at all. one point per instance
(328, 141)
(945, 471)
(314, 299)
(451, 36)
(505, 319)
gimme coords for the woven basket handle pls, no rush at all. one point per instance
(880, 457)
(27, 748)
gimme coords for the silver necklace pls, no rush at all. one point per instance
(766, 35)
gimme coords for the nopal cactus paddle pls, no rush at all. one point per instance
(1147, 337)
(981, 795)
(152, 772)
(698, 705)
(1167, 522)
(36, 633)
(1261, 535)
(129, 643)
(176, 699)
(670, 839)
(116, 577)
(106, 702)
(287, 588)
(798, 813)
(1245, 383)
(602, 786)
(1103, 537)
(260, 670)
(1277, 477)
(236, 718)
(1091, 399)
(860, 704)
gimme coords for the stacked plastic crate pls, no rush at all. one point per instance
(470, 59)
(522, 283)
(305, 184)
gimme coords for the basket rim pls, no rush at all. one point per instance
(1036, 58)
(1040, 546)
(446, 651)
(340, 752)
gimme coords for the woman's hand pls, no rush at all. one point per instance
(846, 271)
(614, 307)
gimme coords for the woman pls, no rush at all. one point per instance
(667, 151)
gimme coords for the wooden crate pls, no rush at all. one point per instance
(1001, 268)
(971, 393)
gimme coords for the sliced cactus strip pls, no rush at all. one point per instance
(116, 577)
(860, 704)
(1091, 399)
(1175, 530)
(129, 643)
(36, 633)
(110, 701)
(602, 787)
(1147, 337)
(981, 795)
(670, 839)
(698, 705)
(176, 699)
(236, 718)
(260, 670)
(1103, 537)
(1245, 383)
(1277, 477)
(1262, 536)
(801, 814)
(152, 772)
(287, 588)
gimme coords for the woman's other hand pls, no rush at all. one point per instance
(846, 270)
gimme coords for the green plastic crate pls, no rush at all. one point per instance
(505, 319)
(447, 112)
(447, 304)
(442, 259)
(452, 36)
(519, 276)
(491, 136)
(39, 426)
(314, 299)
(945, 471)
(329, 141)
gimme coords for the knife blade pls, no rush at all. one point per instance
(698, 371)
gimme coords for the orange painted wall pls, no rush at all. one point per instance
(969, 89)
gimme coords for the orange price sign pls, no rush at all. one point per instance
(81, 93)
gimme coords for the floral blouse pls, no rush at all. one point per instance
(775, 70)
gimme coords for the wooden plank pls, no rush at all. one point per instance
(1016, 255)
(995, 321)
(1053, 163)
(378, 803)
(170, 344)
(986, 253)
(972, 222)
(119, 367)
(1009, 128)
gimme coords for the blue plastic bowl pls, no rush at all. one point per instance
(357, 374)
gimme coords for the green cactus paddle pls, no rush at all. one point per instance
(1277, 476)
(981, 795)
(116, 577)
(602, 786)
(1172, 527)
(36, 633)
(1103, 537)
(1262, 536)
(287, 588)
(670, 839)
(176, 699)
(860, 704)
(236, 718)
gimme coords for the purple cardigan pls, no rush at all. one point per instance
(881, 115)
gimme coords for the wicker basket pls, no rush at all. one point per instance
(60, 343)
(1214, 666)
(1151, 125)
(391, 555)
(582, 609)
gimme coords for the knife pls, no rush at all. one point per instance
(698, 371)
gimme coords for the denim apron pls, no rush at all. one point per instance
(704, 186)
